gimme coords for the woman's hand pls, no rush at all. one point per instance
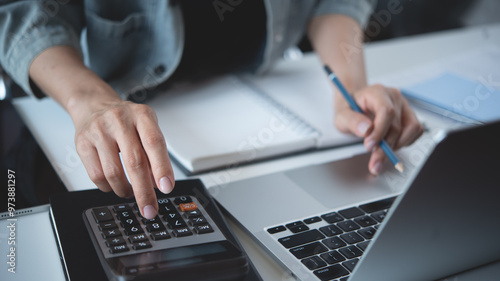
(388, 116)
(132, 130)
(107, 126)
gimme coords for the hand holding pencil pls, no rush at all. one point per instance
(392, 122)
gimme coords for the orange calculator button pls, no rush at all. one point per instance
(188, 207)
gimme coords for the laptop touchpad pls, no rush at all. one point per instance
(346, 182)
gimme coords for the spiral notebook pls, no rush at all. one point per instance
(231, 120)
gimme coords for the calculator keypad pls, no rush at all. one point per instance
(181, 221)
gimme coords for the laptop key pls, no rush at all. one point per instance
(332, 257)
(301, 238)
(348, 225)
(368, 233)
(331, 230)
(334, 243)
(299, 228)
(363, 245)
(350, 264)
(351, 212)
(332, 217)
(352, 238)
(365, 221)
(379, 216)
(308, 250)
(331, 272)
(276, 229)
(312, 220)
(377, 205)
(351, 252)
(314, 262)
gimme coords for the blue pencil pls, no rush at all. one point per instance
(383, 144)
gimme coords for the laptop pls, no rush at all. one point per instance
(334, 221)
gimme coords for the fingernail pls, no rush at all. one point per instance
(370, 145)
(363, 127)
(165, 185)
(376, 168)
(149, 212)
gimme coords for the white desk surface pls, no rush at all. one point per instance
(53, 129)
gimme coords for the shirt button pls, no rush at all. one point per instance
(160, 69)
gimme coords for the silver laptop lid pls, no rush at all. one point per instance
(448, 220)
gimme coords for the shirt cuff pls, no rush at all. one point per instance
(359, 10)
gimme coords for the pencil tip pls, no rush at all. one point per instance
(399, 166)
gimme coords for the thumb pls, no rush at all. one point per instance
(349, 121)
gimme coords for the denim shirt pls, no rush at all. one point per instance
(136, 45)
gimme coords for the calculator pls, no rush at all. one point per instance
(183, 242)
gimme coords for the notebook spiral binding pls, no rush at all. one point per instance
(281, 112)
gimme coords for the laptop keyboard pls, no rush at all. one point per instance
(332, 251)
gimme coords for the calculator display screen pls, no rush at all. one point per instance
(182, 256)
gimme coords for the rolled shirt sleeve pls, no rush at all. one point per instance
(29, 27)
(359, 10)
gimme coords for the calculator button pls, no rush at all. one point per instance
(107, 225)
(109, 233)
(180, 223)
(115, 241)
(152, 227)
(137, 238)
(129, 222)
(172, 216)
(182, 199)
(127, 214)
(150, 221)
(180, 232)
(166, 208)
(197, 221)
(160, 235)
(192, 214)
(188, 207)
(102, 214)
(163, 201)
(118, 249)
(202, 229)
(141, 245)
(119, 208)
(133, 230)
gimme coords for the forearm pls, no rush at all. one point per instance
(337, 39)
(59, 72)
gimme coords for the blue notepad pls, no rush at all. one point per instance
(471, 99)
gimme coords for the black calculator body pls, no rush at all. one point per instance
(188, 240)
